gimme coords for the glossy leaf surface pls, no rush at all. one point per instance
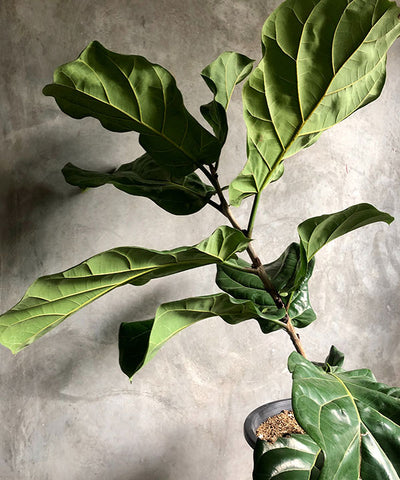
(221, 76)
(52, 298)
(293, 458)
(353, 418)
(140, 341)
(144, 177)
(129, 93)
(282, 272)
(316, 232)
(314, 73)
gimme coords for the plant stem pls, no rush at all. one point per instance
(295, 338)
(257, 266)
(215, 205)
(253, 214)
(270, 288)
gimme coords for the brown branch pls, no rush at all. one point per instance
(257, 266)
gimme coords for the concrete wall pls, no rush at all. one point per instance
(67, 412)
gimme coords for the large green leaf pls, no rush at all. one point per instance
(322, 60)
(128, 93)
(140, 341)
(221, 76)
(354, 420)
(294, 458)
(50, 299)
(144, 177)
(282, 272)
(316, 232)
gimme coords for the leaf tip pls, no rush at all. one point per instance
(13, 348)
(390, 219)
(46, 90)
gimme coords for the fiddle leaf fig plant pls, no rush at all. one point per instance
(321, 61)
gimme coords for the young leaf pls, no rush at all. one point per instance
(144, 177)
(128, 93)
(316, 232)
(140, 341)
(247, 286)
(293, 458)
(224, 73)
(334, 360)
(354, 420)
(52, 298)
(221, 76)
(313, 74)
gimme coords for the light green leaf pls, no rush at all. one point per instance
(352, 418)
(224, 73)
(144, 177)
(128, 93)
(140, 341)
(52, 298)
(316, 232)
(294, 458)
(221, 76)
(248, 286)
(313, 74)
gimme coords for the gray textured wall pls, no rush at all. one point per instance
(66, 410)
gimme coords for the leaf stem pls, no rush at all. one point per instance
(253, 214)
(215, 205)
(257, 267)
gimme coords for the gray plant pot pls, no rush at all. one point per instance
(260, 414)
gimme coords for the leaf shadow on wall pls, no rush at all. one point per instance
(35, 200)
(35, 217)
(154, 471)
(69, 358)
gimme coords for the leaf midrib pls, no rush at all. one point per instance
(298, 132)
(64, 316)
(110, 104)
(107, 288)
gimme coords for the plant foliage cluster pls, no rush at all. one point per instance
(321, 61)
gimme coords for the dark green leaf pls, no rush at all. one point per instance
(316, 232)
(144, 177)
(133, 344)
(221, 76)
(248, 286)
(335, 358)
(51, 299)
(140, 341)
(354, 420)
(128, 93)
(313, 74)
(215, 114)
(294, 458)
(241, 284)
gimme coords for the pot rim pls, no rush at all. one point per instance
(259, 415)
